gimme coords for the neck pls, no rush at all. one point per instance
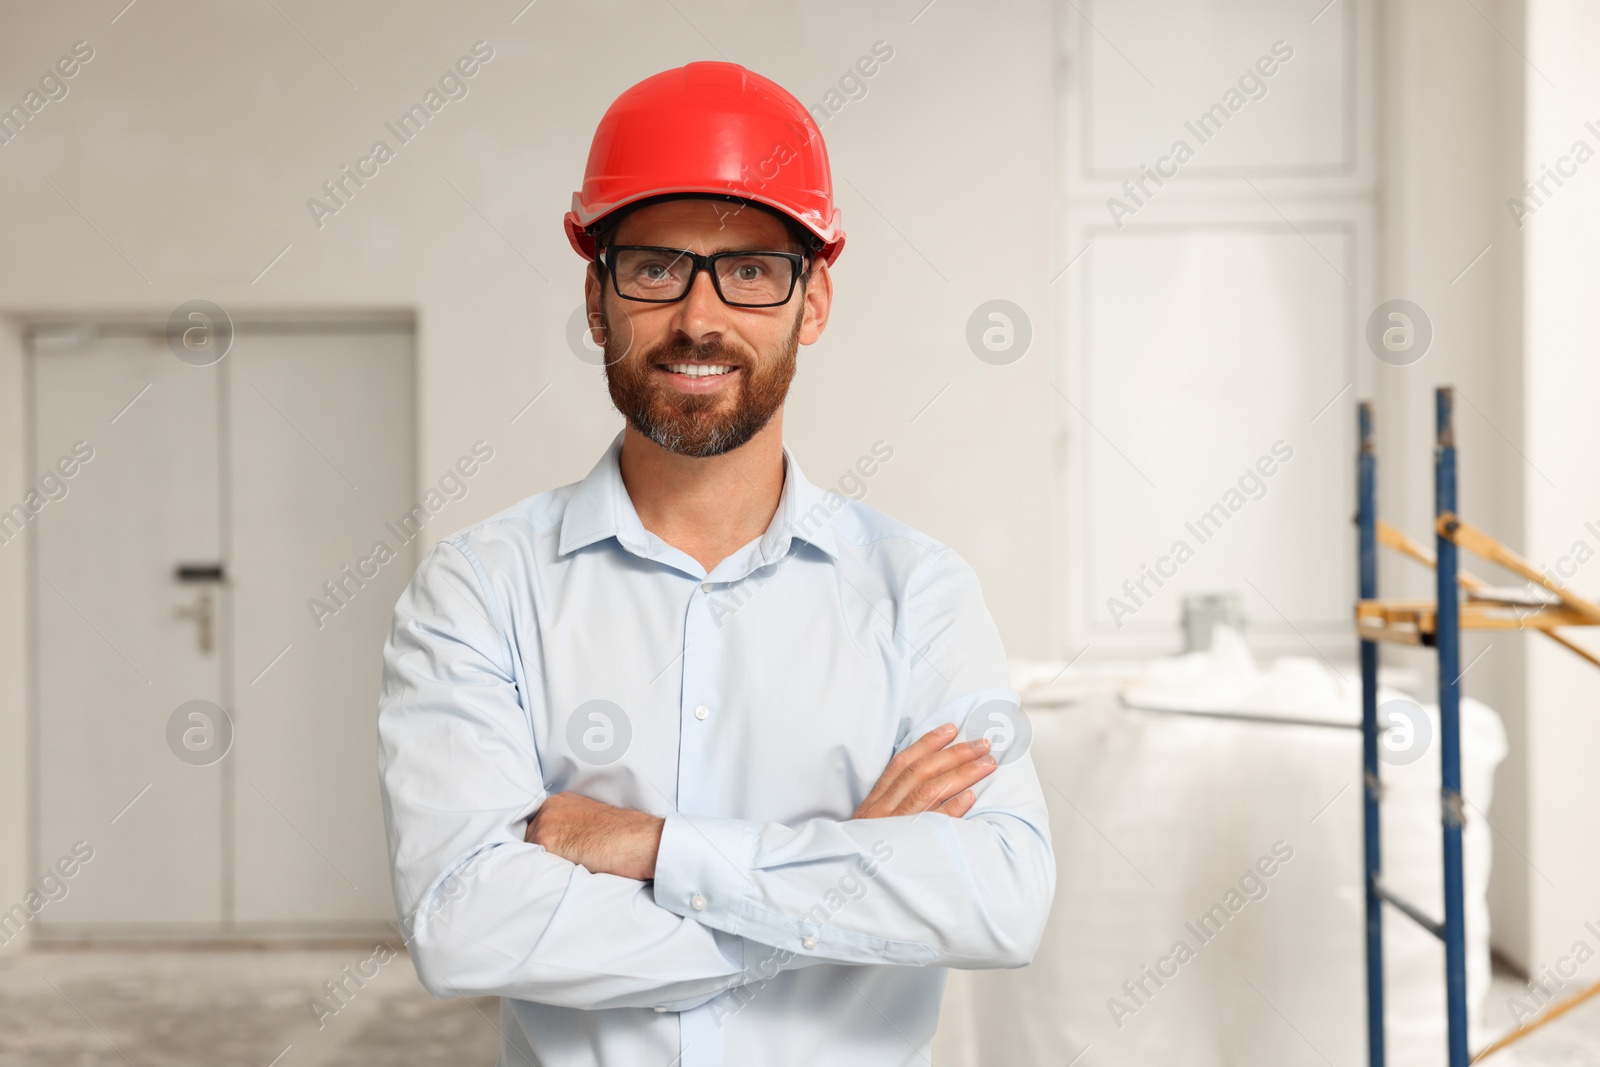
(706, 507)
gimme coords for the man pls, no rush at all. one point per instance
(686, 761)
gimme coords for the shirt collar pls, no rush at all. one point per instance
(600, 507)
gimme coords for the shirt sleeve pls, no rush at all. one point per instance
(927, 889)
(484, 912)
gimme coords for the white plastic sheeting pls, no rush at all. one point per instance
(1162, 818)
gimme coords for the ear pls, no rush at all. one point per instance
(818, 302)
(593, 293)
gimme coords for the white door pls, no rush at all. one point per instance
(322, 462)
(113, 657)
(1220, 222)
(203, 726)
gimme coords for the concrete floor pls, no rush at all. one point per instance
(232, 1008)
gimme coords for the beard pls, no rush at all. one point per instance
(698, 424)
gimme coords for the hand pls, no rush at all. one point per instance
(929, 777)
(597, 836)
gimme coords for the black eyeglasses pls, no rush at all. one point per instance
(663, 275)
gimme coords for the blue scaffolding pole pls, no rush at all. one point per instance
(1446, 638)
(1366, 519)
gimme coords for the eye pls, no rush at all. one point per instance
(748, 270)
(651, 268)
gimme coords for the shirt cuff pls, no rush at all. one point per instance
(703, 868)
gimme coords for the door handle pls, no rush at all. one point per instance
(204, 610)
(203, 615)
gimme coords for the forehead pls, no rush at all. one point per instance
(702, 226)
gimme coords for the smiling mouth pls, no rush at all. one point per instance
(698, 370)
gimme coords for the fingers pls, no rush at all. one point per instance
(927, 744)
(959, 804)
(925, 775)
(928, 781)
(938, 790)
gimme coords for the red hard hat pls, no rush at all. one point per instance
(708, 128)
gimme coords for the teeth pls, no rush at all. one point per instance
(698, 370)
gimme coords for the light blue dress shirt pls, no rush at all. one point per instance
(559, 645)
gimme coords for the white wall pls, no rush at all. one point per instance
(1563, 438)
(1453, 129)
(15, 787)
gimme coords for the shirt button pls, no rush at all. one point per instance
(705, 587)
(701, 712)
(809, 942)
(697, 902)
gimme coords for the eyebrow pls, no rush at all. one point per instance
(715, 251)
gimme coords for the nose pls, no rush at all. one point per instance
(701, 314)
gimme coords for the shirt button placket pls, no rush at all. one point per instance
(699, 785)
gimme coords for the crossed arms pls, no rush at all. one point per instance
(931, 775)
(947, 862)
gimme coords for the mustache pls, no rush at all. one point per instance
(682, 350)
